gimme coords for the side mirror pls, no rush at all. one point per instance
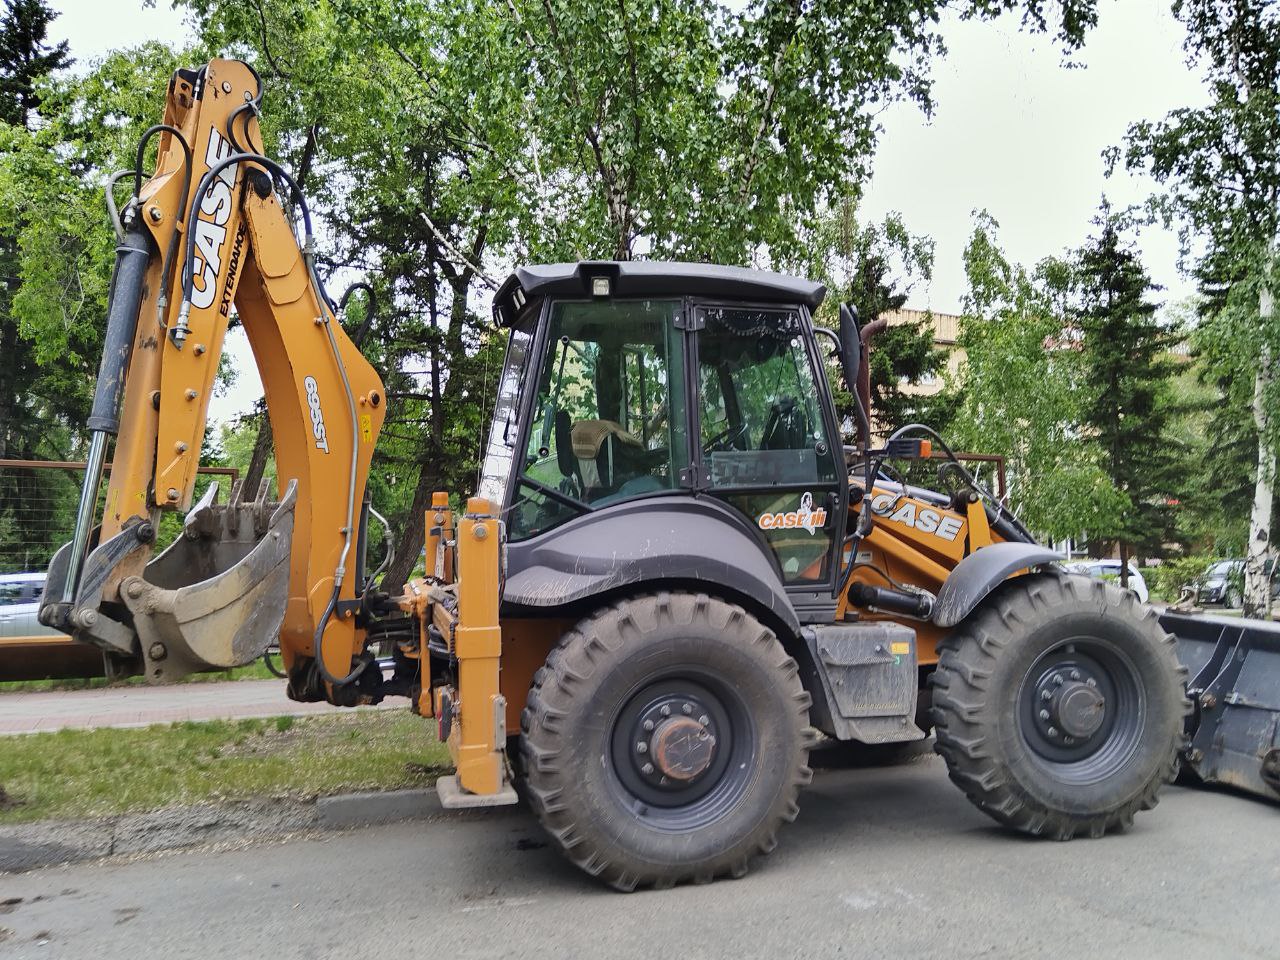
(850, 346)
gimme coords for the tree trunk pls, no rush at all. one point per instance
(1257, 584)
(412, 537)
(262, 450)
(1124, 565)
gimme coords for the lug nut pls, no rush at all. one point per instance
(1075, 674)
(1046, 695)
(687, 708)
(665, 711)
(1044, 714)
(642, 747)
(1052, 731)
(1057, 678)
(647, 768)
(1068, 740)
(648, 725)
(1092, 682)
(704, 720)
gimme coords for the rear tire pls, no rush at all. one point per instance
(717, 704)
(1059, 706)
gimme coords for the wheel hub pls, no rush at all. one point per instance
(1073, 699)
(1079, 709)
(682, 747)
(676, 743)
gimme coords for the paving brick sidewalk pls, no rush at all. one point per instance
(138, 706)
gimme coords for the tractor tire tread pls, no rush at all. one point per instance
(589, 646)
(961, 694)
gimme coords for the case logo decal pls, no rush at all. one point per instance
(925, 520)
(803, 518)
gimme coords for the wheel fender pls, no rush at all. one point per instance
(660, 539)
(981, 572)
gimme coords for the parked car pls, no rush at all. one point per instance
(1222, 582)
(28, 649)
(1110, 570)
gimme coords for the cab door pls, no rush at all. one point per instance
(768, 445)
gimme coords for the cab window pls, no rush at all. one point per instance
(764, 440)
(608, 419)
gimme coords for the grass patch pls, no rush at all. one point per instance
(85, 773)
(254, 671)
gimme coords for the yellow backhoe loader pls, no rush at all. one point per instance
(673, 575)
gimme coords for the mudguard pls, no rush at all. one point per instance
(981, 572)
(671, 538)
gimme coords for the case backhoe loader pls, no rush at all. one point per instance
(674, 571)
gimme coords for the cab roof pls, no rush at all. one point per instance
(650, 278)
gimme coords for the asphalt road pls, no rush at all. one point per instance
(886, 862)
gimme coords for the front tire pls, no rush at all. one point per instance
(1059, 706)
(666, 739)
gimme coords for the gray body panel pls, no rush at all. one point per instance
(979, 573)
(676, 539)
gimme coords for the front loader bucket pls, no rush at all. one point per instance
(1234, 681)
(214, 599)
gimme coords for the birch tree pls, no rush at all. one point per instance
(1219, 166)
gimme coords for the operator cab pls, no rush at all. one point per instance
(625, 381)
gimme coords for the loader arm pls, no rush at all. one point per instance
(208, 231)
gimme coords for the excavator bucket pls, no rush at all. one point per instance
(1234, 682)
(214, 599)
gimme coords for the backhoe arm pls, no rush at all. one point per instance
(205, 233)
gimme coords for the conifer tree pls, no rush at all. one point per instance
(1126, 379)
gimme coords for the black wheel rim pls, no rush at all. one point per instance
(682, 750)
(1080, 710)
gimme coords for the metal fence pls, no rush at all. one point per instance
(38, 508)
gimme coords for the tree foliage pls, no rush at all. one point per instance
(1023, 395)
(876, 267)
(1220, 174)
(1126, 381)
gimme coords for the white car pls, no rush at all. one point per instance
(19, 605)
(1110, 570)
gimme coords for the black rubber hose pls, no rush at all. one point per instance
(358, 337)
(166, 271)
(188, 253)
(318, 647)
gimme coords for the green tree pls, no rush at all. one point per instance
(1220, 172)
(1022, 395)
(26, 58)
(876, 266)
(1126, 380)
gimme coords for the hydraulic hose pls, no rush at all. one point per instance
(166, 272)
(325, 317)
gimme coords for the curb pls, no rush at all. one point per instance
(49, 843)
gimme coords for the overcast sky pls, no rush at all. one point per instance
(1013, 132)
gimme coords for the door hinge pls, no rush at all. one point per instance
(695, 477)
(689, 318)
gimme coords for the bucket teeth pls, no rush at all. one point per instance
(214, 599)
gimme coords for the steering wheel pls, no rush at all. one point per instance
(725, 439)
